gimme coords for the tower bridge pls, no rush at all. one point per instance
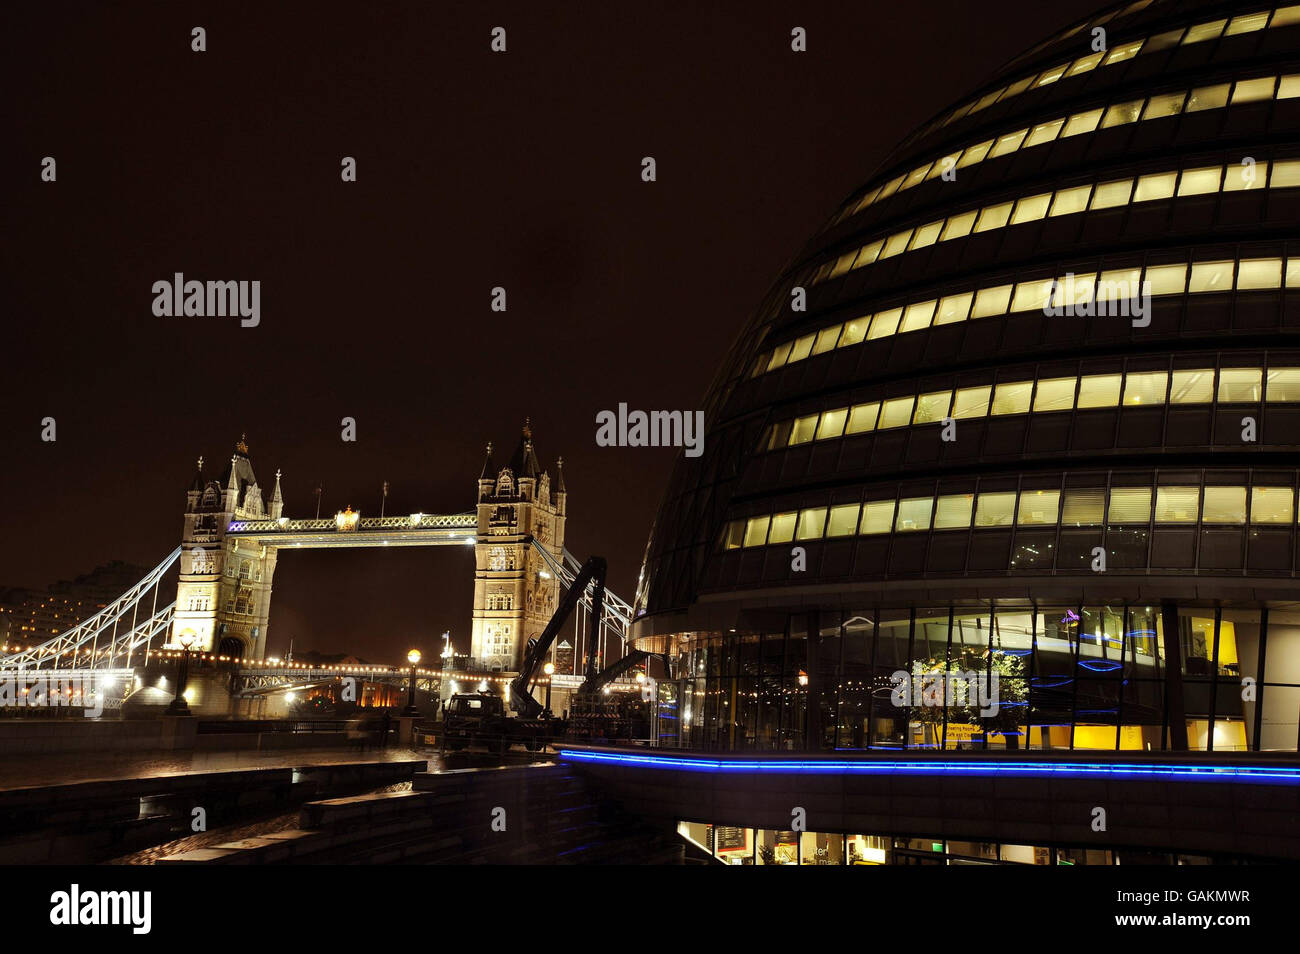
(232, 536)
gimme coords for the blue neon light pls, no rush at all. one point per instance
(1274, 775)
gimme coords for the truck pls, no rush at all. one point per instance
(480, 718)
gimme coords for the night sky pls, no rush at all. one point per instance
(474, 169)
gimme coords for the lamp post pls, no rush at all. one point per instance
(179, 707)
(549, 669)
(413, 657)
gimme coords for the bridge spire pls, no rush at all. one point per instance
(277, 500)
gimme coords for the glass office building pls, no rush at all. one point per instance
(1008, 456)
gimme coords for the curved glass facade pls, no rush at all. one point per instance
(1007, 457)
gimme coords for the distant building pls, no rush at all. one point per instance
(28, 616)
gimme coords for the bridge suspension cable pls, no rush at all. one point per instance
(112, 636)
(616, 612)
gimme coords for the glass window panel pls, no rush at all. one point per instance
(801, 349)
(942, 163)
(915, 177)
(811, 523)
(1237, 385)
(1158, 186)
(896, 412)
(756, 531)
(1168, 104)
(1039, 506)
(1130, 505)
(1167, 279)
(1007, 143)
(1163, 41)
(1283, 385)
(972, 402)
(1055, 394)
(1208, 97)
(1253, 273)
(916, 317)
(1031, 209)
(889, 188)
(805, 429)
(932, 407)
(877, 516)
(1107, 195)
(1177, 504)
(1047, 77)
(952, 511)
(914, 514)
(869, 253)
(1119, 284)
(1016, 88)
(1099, 390)
(1081, 123)
(1272, 504)
(959, 226)
(1044, 132)
(843, 264)
(953, 308)
(1083, 508)
(1224, 505)
(735, 535)
(1210, 277)
(854, 331)
(1080, 290)
(995, 510)
(993, 217)
(1254, 90)
(1145, 387)
(885, 323)
(1013, 397)
(1284, 175)
(991, 301)
(974, 154)
(826, 339)
(1032, 296)
(832, 423)
(1125, 51)
(1200, 181)
(863, 418)
(843, 521)
(1068, 201)
(1244, 176)
(1121, 114)
(1285, 16)
(1247, 24)
(1288, 87)
(926, 235)
(1204, 31)
(782, 527)
(1192, 387)
(1293, 272)
(896, 243)
(779, 356)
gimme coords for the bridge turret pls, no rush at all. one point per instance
(277, 499)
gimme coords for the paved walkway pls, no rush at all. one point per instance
(26, 771)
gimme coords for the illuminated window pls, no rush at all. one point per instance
(756, 531)
(973, 402)
(1044, 132)
(1254, 273)
(1252, 91)
(1125, 51)
(1244, 176)
(811, 523)
(1099, 390)
(1130, 505)
(1200, 181)
(1285, 175)
(1164, 41)
(952, 512)
(1247, 24)
(1192, 387)
(991, 301)
(896, 244)
(896, 412)
(1039, 506)
(1167, 279)
(1055, 394)
(974, 154)
(917, 317)
(1237, 385)
(1083, 508)
(1224, 505)
(1068, 201)
(1208, 97)
(805, 429)
(1110, 194)
(1121, 114)
(843, 521)
(735, 535)
(801, 348)
(926, 235)
(953, 308)
(995, 510)
(1081, 123)
(1159, 186)
(1285, 16)
(1204, 31)
(1288, 87)
(959, 226)
(932, 407)
(885, 323)
(1007, 143)
(914, 514)
(1047, 77)
(832, 423)
(1210, 276)
(1177, 504)
(1283, 385)
(1013, 397)
(863, 418)
(877, 516)
(1145, 387)
(1031, 296)
(1170, 104)
(855, 332)
(868, 253)
(826, 339)
(1031, 209)
(782, 528)
(1272, 504)
(993, 217)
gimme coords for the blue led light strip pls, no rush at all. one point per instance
(1271, 774)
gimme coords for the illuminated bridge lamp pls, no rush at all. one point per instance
(413, 657)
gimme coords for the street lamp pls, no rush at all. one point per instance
(549, 669)
(413, 657)
(179, 707)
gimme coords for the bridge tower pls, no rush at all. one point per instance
(514, 594)
(223, 598)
